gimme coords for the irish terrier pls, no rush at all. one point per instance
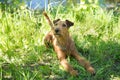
(64, 46)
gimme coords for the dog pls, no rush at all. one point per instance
(64, 46)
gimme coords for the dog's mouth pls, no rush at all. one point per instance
(57, 34)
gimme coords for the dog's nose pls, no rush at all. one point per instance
(57, 30)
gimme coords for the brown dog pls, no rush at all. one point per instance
(63, 45)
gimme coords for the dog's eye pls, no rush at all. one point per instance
(64, 25)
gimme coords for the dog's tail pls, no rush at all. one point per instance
(48, 19)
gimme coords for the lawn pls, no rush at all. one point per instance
(23, 55)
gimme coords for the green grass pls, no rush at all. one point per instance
(23, 55)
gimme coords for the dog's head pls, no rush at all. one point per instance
(61, 27)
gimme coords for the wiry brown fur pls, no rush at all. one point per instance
(63, 45)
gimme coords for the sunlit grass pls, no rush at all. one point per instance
(23, 55)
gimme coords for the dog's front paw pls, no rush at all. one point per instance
(48, 42)
(74, 72)
(91, 70)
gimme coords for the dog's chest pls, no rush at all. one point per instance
(65, 46)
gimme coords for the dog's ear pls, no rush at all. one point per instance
(54, 21)
(69, 23)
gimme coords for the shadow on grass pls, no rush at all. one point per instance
(105, 57)
(108, 63)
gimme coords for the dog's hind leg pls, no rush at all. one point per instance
(83, 62)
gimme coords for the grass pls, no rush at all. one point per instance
(23, 55)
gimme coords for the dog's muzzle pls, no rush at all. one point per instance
(57, 30)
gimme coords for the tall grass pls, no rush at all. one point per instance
(23, 55)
